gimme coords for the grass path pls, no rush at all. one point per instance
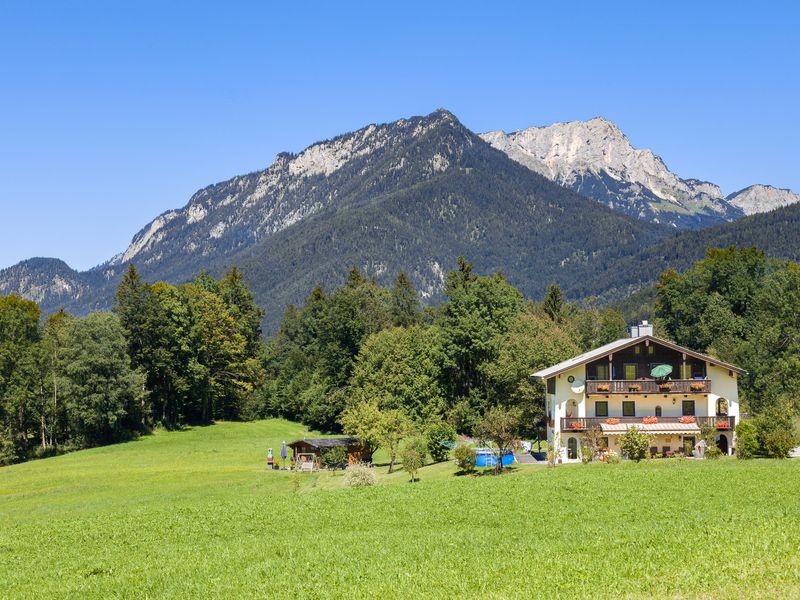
(194, 514)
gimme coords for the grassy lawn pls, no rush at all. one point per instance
(194, 514)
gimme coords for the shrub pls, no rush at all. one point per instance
(334, 458)
(635, 444)
(612, 458)
(587, 454)
(778, 443)
(713, 452)
(439, 436)
(746, 440)
(465, 458)
(360, 474)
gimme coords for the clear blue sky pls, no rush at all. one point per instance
(110, 115)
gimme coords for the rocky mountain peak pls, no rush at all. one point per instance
(760, 198)
(595, 158)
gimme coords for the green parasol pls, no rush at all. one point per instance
(660, 371)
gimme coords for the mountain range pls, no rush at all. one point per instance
(569, 203)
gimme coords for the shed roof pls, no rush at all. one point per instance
(327, 442)
(620, 344)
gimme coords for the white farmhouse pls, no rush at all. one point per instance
(663, 389)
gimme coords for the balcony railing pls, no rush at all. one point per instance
(648, 386)
(584, 423)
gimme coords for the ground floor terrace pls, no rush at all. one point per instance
(670, 436)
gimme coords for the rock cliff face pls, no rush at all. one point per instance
(595, 158)
(762, 198)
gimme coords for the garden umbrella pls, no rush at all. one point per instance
(283, 450)
(660, 371)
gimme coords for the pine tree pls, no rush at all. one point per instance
(554, 303)
(404, 302)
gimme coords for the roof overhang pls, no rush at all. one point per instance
(622, 344)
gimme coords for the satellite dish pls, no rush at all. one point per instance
(577, 386)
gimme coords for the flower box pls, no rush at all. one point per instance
(665, 387)
(576, 425)
(603, 387)
(687, 419)
(649, 420)
(723, 424)
(634, 388)
(697, 387)
(612, 421)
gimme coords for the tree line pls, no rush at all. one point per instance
(166, 356)
(363, 358)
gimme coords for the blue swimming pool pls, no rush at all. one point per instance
(485, 458)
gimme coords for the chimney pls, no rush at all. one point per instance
(644, 328)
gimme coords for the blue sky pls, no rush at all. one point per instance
(111, 114)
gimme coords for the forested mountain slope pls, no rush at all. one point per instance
(777, 233)
(409, 195)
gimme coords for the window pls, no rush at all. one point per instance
(628, 408)
(688, 444)
(686, 371)
(651, 349)
(658, 411)
(604, 442)
(602, 371)
(637, 350)
(551, 385)
(722, 407)
(688, 408)
(630, 371)
(601, 408)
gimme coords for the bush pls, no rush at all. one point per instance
(612, 458)
(334, 458)
(360, 474)
(635, 444)
(587, 454)
(778, 443)
(465, 458)
(713, 452)
(438, 435)
(746, 440)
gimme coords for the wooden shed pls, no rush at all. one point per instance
(313, 448)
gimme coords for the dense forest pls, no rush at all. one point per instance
(170, 356)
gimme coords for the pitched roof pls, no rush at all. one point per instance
(328, 442)
(620, 344)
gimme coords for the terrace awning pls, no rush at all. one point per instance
(655, 428)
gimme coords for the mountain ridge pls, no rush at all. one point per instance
(407, 195)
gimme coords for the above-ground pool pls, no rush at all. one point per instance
(485, 458)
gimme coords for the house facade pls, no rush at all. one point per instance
(663, 389)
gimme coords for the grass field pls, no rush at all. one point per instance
(193, 514)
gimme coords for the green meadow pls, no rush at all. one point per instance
(194, 514)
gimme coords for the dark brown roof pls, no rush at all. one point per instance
(328, 442)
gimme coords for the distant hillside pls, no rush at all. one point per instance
(777, 233)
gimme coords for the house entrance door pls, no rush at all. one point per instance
(722, 443)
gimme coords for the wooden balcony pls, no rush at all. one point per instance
(647, 386)
(584, 423)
